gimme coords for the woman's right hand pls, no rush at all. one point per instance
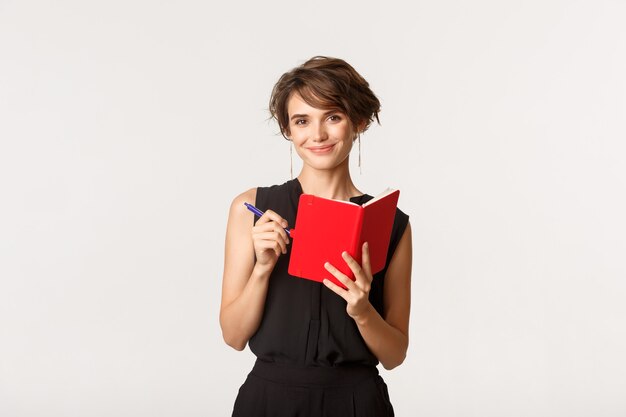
(269, 238)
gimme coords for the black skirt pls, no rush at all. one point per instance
(277, 390)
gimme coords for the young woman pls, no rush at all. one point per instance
(317, 345)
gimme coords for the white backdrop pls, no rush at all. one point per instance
(127, 127)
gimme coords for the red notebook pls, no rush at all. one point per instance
(325, 228)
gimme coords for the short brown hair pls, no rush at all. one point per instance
(325, 83)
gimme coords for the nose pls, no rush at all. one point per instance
(319, 133)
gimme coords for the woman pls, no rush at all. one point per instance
(317, 346)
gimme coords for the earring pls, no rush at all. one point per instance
(359, 140)
(291, 159)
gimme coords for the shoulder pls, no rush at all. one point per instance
(248, 196)
(238, 215)
(401, 221)
(259, 195)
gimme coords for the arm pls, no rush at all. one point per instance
(387, 337)
(244, 284)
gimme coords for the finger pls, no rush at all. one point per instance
(271, 215)
(353, 264)
(272, 226)
(273, 237)
(269, 226)
(336, 289)
(283, 234)
(267, 244)
(268, 248)
(367, 264)
(341, 277)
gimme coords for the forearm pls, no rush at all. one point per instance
(241, 318)
(386, 342)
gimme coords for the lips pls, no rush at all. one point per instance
(321, 149)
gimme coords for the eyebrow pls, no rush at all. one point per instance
(298, 116)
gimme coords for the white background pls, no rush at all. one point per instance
(127, 127)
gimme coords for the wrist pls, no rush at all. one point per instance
(261, 271)
(364, 316)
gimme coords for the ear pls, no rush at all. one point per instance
(359, 128)
(362, 125)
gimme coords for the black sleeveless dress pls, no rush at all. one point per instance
(311, 358)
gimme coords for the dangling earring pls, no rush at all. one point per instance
(358, 138)
(291, 159)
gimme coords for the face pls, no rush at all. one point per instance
(323, 138)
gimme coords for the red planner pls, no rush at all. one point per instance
(325, 228)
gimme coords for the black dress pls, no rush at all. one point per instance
(311, 358)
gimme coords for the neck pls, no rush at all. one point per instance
(335, 184)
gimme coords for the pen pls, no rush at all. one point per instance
(260, 213)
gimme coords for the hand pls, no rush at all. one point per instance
(357, 292)
(269, 238)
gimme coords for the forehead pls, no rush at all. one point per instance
(297, 105)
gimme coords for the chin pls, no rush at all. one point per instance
(325, 165)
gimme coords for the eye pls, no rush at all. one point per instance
(300, 121)
(335, 118)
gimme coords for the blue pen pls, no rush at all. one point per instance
(260, 213)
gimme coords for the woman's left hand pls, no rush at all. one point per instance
(357, 292)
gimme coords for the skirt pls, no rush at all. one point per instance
(278, 390)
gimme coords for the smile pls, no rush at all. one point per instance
(321, 149)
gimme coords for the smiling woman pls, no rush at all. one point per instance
(315, 132)
(323, 99)
(325, 83)
(317, 346)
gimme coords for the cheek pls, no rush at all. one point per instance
(298, 137)
(342, 132)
